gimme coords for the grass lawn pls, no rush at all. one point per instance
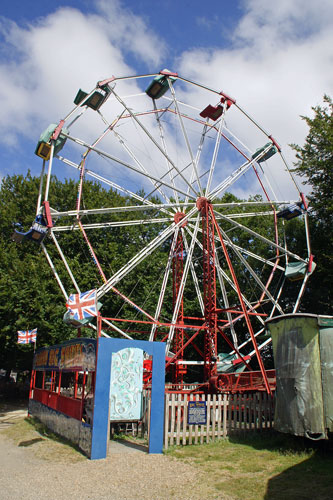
(264, 466)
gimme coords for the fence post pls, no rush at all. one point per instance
(190, 426)
(184, 406)
(219, 415)
(225, 412)
(260, 410)
(166, 420)
(196, 427)
(178, 417)
(213, 417)
(172, 420)
(208, 418)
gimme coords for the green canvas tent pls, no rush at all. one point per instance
(303, 357)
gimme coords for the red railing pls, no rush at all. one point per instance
(67, 406)
(245, 381)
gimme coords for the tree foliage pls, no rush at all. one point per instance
(315, 165)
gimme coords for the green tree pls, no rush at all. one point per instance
(29, 294)
(315, 165)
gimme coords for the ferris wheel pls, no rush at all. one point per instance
(217, 192)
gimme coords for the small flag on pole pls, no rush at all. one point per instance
(82, 305)
(27, 336)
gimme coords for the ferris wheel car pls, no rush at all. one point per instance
(36, 233)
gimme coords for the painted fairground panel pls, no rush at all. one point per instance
(126, 385)
(76, 354)
(62, 389)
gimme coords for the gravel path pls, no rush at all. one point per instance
(126, 474)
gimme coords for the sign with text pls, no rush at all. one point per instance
(197, 413)
(76, 354)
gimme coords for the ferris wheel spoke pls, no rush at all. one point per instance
(104, 225)
(283, 250)
(241, 204)
(164, 284)
(269, 317)
(123, 163)
(187, 142)
(156, 185)
(119, 209)
(181, 287)
(137, 259)
(198, 156)
(62, 288)
(301, 292)
(194, 277)
(162, 138)
(134, 117)
(230, 180)
(250, 270)
(244, 251)
(108, 182)
(116, 329)
(256, 256)
(63, 258)
(239, 172)
(226, 301)
(142, 255)
(216, 150)
(56, 275)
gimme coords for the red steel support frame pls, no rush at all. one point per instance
(242, 304)
(177, 274)
(209, 289)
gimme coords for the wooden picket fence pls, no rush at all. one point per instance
(226, 414)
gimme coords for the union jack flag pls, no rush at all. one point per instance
(82, 305)
(27, 336)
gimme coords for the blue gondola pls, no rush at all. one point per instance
(36, 233)
(291, 212)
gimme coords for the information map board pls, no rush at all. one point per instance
(197, 413)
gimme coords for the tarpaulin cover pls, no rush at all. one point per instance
(326, 354)
(303, 357)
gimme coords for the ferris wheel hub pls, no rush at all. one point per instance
(202, 202)
(178, 217)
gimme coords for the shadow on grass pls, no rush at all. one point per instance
(47, 433)
(310, 479)
(284, 443)
(30, 442)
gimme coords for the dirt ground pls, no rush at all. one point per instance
(38, 468)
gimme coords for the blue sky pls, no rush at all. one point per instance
(275, 58)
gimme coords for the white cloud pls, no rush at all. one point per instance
(278, 66)
(131, 33)
(50, 59)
